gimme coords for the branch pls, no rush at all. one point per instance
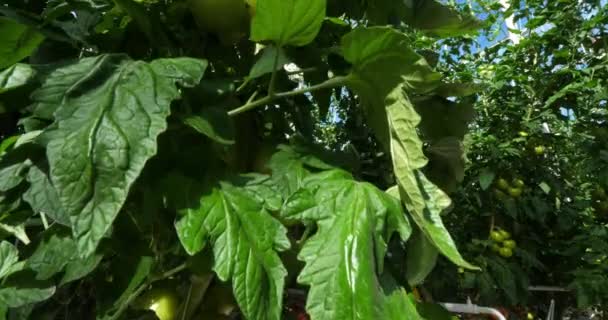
(331, 83)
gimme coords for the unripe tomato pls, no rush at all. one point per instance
(461, 270)
(505, 252)
(163, 302)
(539, 150)
(515, 192)
(505, 234)
(511, 244)
(496, 236)
(228, 19)
(518, 183)
(495, 248)
(530, 316)
(503, 184)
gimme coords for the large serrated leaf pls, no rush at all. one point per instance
(288, 22)
(245, 240)
(108, 113)
(344, 258)
(424, 201)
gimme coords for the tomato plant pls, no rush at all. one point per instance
(541, 120)
(262, 159)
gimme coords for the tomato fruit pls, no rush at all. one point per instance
(505, 234)
(511, 244)
(515, 192)
(496, 236)
(228, 19)
(539, 150)
(495, 248)
(518, 183)
(530, 316)
(502, 184)
(163, 302)
(505, 252)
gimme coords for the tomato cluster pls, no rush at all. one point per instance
(503, 244)
(514, 189)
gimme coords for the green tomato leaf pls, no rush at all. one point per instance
(214, 123)
(43, 198)
(439, 20)
(344, 258)
(17, 230)
(424, 201)
(270, 57)
(287, 22)
(18, 42)
(52, 254)
(79, 267)
(421, 258)
(12, 174)
(14, 297)
(9, 256)
(109, 112)
(245, 240)
(486, 177)
(15, 76)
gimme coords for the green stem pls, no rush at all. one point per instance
(273, 77)
(331, 83)
(143, 287)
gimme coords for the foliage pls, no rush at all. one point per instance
(150, 145)
(542, 120)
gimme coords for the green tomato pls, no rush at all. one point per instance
(511, 244)
(518, 183)
(539, 150)
(461, 270)
(164, 303)
(503, 184)
(505, 234)
(495, 248)
(530, 316)
(229, 19)
(505, 252)
(496, 236)
(515, 192)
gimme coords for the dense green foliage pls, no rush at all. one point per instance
(285, 159)
(158, 155)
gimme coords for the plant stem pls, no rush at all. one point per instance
(143, 287)
(305, 70)
(273, 77)
(331, 83)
